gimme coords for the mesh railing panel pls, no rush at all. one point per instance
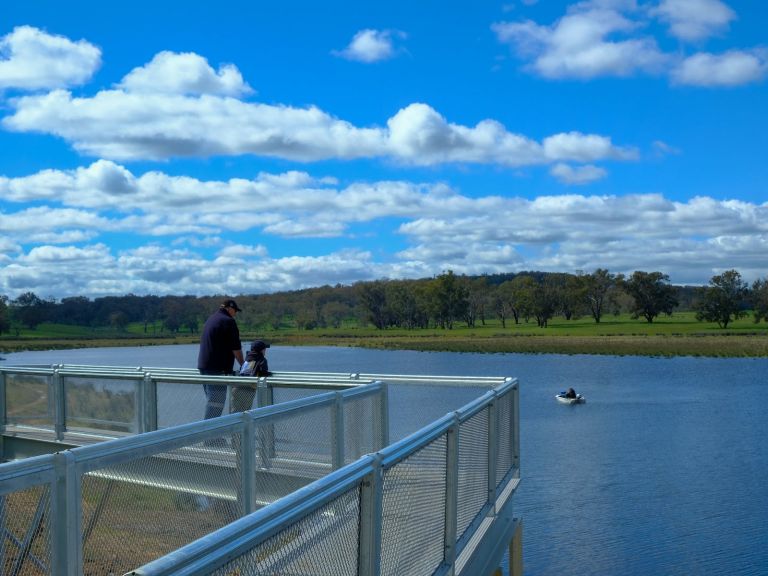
(137, 511)
(303, 436)
(504, 456)
(413, 518)
(25, 532)
(100, 404)
(181, 403)
(280, 394)
(473, 470)
(29, 400)
(291, 452)
(359, 418)
(323, 543)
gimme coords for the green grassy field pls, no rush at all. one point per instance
(677, 335)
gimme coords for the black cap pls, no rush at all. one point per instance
(258, 345)
(229, 303)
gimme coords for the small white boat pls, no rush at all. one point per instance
(565, 400)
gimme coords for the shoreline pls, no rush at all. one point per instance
(666, 345)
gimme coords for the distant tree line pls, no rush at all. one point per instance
(442, 302)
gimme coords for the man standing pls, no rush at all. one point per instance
(219, 348)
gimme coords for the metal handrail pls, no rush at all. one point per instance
(201, 556)
(410, 378)
(146, 382)
(63, 471)
(225, 545)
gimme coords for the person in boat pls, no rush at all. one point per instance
(571, 393)
(255, 365)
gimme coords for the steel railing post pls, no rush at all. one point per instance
(66, 517)
(264, 393)
(337, 432)
(3, 405)
(247, 462)
(515, 426)
(140, 411)
(371, 508)
(149, 401)
(4, 556)
(58, 519)
(381, 420)
(75, 515)
(266, 397)
(493, 448)
(59, 405)
(451, 495)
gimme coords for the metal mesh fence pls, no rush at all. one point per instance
(473, 470)
(29, 400)
(286, 394)
(302, 436)
(291, 452)
(25, 532)
(140, 510)
(359, 437)
(504, 457)
(133, 512)
(181, 403)
(324, 543)
(101, 405)
(413, 520)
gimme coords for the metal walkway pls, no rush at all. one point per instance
(105, 479)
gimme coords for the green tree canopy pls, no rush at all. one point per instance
(652, 294)
(723, 300)
(31, 310)
(547, 298)
(760, 299)
(599, 289)
(450, 299)
(5, 321)
(504, 303)
(373, 300)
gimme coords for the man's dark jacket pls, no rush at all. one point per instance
(220, 337)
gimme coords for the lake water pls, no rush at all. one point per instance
(662, 471)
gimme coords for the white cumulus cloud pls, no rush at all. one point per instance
(598, 38)
(122, 124)
(31, 59)
(371, 45)
(732, 68)
(577, 175)
(694, 20)
(594, 39)
(187, 73)
(440, 229)
(584, 148)
(131, 126)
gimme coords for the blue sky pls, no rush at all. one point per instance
(246, 147)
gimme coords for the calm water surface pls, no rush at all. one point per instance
(661, 472)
